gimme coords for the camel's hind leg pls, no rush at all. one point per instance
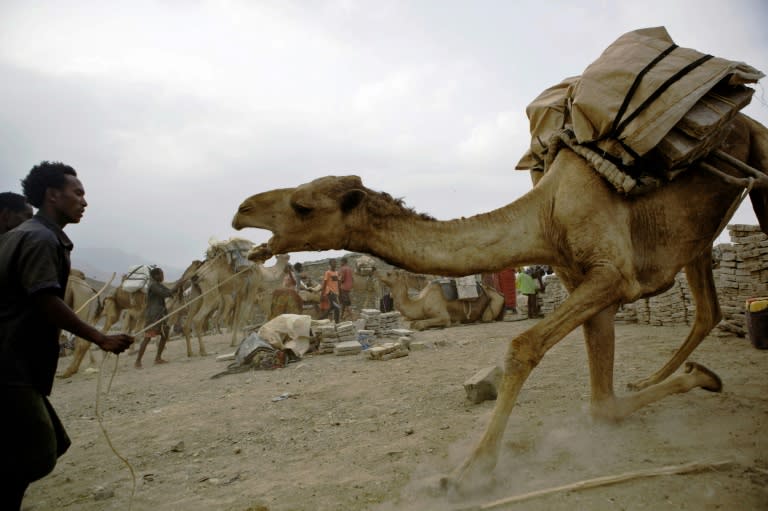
(702, 285)
(599, 335)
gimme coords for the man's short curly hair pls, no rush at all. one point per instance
(45, 175)
(13, 202)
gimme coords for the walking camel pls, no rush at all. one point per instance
(77, 294)
(431, 309)
(132, 305)
(225, 291)
(607, 248)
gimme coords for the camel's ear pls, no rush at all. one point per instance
(351, 199)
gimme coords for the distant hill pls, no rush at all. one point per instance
(98, 263)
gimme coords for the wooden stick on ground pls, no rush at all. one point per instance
(606, 480)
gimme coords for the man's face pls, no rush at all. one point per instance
(69, 201)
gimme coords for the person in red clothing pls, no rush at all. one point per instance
(330, 291)
(508, 287)
(346, 279)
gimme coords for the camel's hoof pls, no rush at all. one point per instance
(64, 375)
(637, 386)
(715, 385)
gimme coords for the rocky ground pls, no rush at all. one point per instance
(348, 433)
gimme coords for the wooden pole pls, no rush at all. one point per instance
(688, 468)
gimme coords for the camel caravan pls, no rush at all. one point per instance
(637, 166)
(227, 291)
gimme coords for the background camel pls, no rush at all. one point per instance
(231, 286)
(185, 305)
(129, 306)
(255, 291)
(430, 308)
(607, 248)
(77, 294)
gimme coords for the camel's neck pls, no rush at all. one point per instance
(508, 236)
(275, 272)
(400, 295)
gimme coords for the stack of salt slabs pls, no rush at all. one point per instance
(387, 351)
(347, 348)
(366, 337)
(372, 318)
(389, 321)
(333, 334)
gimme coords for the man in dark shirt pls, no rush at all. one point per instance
(14, 209)
(155, 311)
(34, 266)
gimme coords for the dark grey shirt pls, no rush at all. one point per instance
(156, 296)
(34, 258)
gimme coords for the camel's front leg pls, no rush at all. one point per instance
(423, 324)
(200, 319)
(598, 291)
(702, 285)
(433, 317)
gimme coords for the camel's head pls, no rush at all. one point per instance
(312, 216)
(389, 277)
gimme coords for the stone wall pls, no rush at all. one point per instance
(741, 272)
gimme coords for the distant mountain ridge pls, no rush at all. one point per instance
(99, 262)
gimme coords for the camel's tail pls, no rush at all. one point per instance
(758, 158)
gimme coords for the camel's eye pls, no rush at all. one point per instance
(301, 210)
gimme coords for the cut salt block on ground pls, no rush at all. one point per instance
(482, 386)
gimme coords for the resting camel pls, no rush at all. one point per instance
(121, 301)
(608, 249)
(431, 309)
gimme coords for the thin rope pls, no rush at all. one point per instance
(100, 420)
(89, 300)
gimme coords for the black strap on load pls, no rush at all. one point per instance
(635, 85)
(658, 92)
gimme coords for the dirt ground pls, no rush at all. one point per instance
(357, 434)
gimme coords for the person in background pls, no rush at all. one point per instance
(330, 291)
(286, 299)
(34, 267)
(346, 282)
(527, 286)
(155, 311)
(14, 209)
(303, 281)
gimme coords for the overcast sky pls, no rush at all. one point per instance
(174, 111)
